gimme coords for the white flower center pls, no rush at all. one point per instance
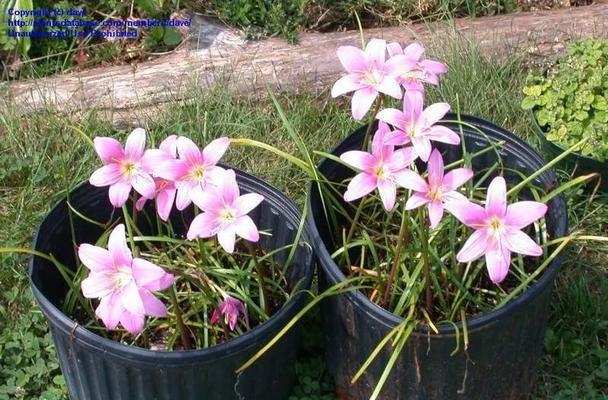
(435, 193)
(122, 277)
(128, 168)
(372, 77)
(228, 215)
(496, 226)
(197, 174)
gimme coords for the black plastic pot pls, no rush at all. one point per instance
(504, 345)
(581, 164)
(96, 368)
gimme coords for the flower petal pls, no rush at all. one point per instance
(136, 144)
(442, 134)
(394, 49)
(518, 242)
(117, 246)
(468, 213)
(496, 199)
(498, 260)
(189, 152)
(144, 184)
(435, 168)
(359, 159)
(150, 276)
(97, 285)
(388, 85)
(226, 238)
(107, 175)
(183, 196)
(393, 117)
(214, 151)
(456, 178)
(422, 146)
(411, 180)
(169, 145)
(164, 203)
(245, 228)
(203, 225)
(401, 159)
(95, 258)
(153, 158)
(361, 185)
(347, 83)
(435, 212)
(434, 67)
(229, 188)
(152, 305)
(413, 101)
(475, 246)
(414, 50)
(523, 213)
(433, 113)
(119, 193)
(141, 203)
(388, 193)
(375, 51)
(130, 299)
(172, 170)
(109, 149)
(352, 58)
(109, 310)
(247, 202)
(416, 200)
(362, 101)
(133, 323)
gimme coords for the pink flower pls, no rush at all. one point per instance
(230, 308)
(417, 71)
(123, 284)
(225, 213)
(368, 75)
(384, 169)
(123, 168)
(439, 188)
(417, 125)
(165, 190)
(194, 169)
(497, 229)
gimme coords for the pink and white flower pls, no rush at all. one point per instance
(437, 189)
(124, 284)
(230, 309)
(416, 71)
(497, 229)
(368, 74)
(123, 169)
(194, 170)
(417, 126)
(225, 213)
(384, 169)
(165, 190)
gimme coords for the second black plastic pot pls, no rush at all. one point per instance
(579, 163)
(504, 345)
(96, 368)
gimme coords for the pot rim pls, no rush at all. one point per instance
(389, 319)
(279, 201)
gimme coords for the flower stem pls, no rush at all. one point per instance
(180, 321)
(125, 213)
(402, 240)
(425, 257)
(261, 275)
(355, 221)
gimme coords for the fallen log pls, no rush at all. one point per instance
(220, 56)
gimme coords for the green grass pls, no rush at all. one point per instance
(41, 155)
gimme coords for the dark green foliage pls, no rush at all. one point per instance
(571, 101)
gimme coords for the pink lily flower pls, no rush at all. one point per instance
(438, 189)
(225, 214)
(123, 284)
(123, 168)
(417, 126)
(165, 190)
(385, 168)
(368, 74)
(194, 169)
(497, 229)
(230, 308)
(417, 70)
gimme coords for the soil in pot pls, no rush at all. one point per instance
(503, 346)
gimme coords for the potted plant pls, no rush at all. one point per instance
(166, 271)
(569, 102)
(451, 228)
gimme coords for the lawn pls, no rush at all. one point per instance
(42, 155)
